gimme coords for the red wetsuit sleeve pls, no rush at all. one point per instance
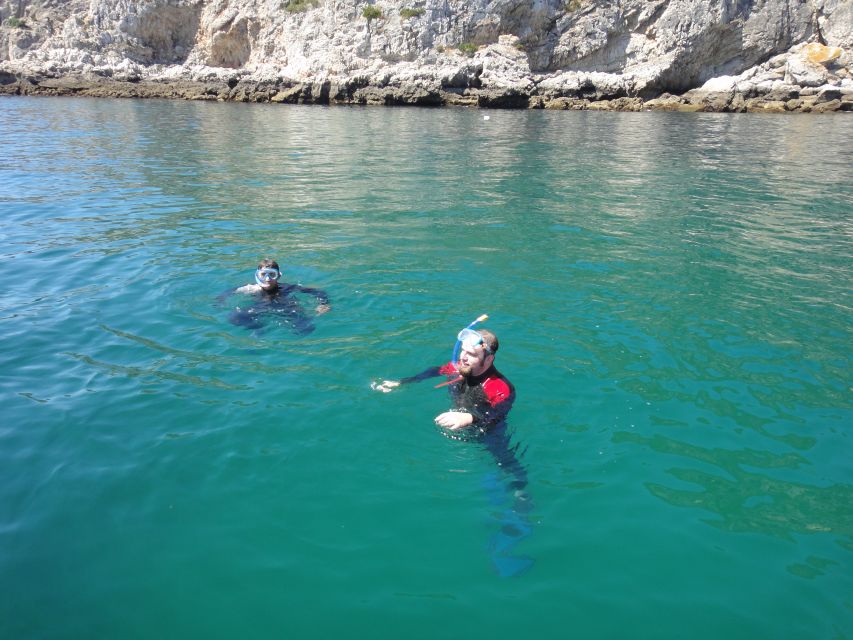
(447, 369)
(496, 390)
(444, 370)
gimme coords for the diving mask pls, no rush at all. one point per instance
(267, 275)
(469, 339)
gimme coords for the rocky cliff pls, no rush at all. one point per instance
(724, 55)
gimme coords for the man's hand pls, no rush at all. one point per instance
(323, 308)
(454, 420)
(386, 386)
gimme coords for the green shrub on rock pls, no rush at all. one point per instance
(468, 49)
(411, 13)
(371, 13)
(299, 6)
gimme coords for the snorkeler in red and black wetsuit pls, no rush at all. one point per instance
(482, 396)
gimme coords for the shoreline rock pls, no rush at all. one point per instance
(788, 99)
(662, 55)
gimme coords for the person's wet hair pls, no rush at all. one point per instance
(490, 339)
(268, 264)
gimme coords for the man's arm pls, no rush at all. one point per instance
(388, 385)
(323, 303)
(222, 297)
(246, 288)
(499, 397)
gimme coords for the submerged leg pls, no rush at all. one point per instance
(497, 441)
(301, 324)
(511, 489)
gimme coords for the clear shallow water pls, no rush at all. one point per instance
(672, 293)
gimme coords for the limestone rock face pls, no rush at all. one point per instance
(488, 52)
(804, 72)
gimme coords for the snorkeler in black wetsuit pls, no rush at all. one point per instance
(276, 299)
(482, 398)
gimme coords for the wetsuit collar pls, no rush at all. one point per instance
(475, 380)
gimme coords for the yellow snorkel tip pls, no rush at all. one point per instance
(483, 318)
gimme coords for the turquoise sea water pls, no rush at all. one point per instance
(673, 297)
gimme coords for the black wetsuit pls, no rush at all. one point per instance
(281, 304)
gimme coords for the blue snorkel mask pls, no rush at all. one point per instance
(267, 275)
(469, 339)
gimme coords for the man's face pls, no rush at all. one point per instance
(269, 285)
(267, 278)
(474, 360)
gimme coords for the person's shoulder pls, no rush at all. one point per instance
(248, 288)
(497, 388)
